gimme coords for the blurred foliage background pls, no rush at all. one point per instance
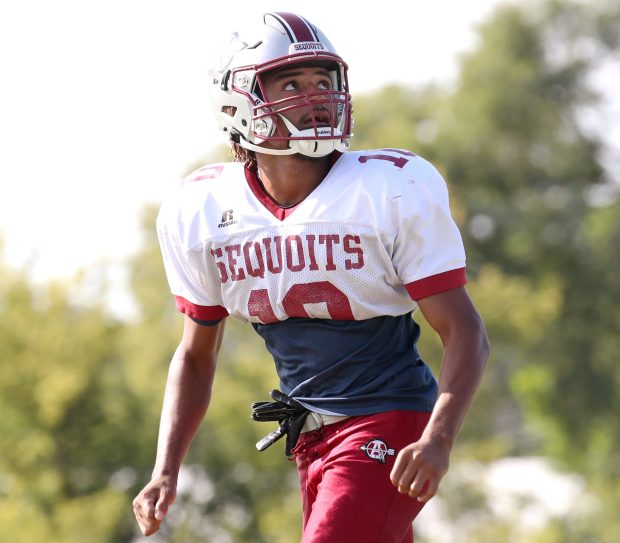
(523, 139)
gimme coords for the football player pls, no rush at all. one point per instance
(327, 252)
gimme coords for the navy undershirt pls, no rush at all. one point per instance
(351, 367)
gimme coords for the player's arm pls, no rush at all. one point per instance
(420, 466)
(187, 396)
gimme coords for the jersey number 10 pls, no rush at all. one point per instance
(298, 295)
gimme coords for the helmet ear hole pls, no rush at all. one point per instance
(229, 110)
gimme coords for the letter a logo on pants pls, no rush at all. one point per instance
(377, 450)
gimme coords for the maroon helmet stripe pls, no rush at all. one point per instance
(297, 27)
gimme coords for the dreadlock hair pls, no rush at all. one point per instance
(245, 156)
(240, 154)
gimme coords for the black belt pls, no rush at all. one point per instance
(288, 412)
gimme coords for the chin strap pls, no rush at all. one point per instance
(309, 146)
(266, 150)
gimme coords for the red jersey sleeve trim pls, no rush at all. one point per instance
(200, 312)
(434, 284)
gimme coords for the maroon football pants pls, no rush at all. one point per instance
(344, 471)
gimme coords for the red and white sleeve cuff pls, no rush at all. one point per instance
(200, 312)
(434, 284)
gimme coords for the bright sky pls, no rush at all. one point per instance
(103, 103)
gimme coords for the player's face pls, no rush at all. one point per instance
(310, 109)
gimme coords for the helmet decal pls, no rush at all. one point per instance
(297, 28)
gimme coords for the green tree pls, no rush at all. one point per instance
(525, 167)
(65, 413)
(535, 194)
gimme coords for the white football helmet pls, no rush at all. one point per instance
(247, 116)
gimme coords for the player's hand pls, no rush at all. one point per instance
(419, 467)
(151, 505)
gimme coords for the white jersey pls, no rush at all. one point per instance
(374, 236)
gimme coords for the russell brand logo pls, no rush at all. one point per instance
(227, 219)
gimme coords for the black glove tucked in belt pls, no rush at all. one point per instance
(288, 412)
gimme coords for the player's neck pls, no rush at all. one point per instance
(290, 179)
